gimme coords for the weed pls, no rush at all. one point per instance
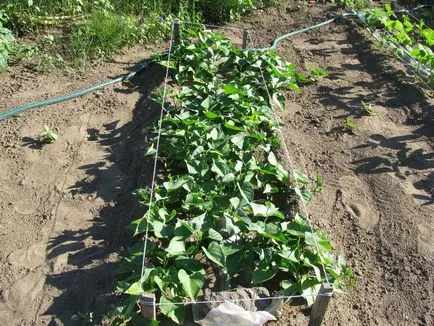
(367, 108)
(153, 29)
(48, 135)
(102, 34)
(349, 125)
(51, 63)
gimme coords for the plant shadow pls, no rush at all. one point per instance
(396, 153)
(32, 143)
(86, 288)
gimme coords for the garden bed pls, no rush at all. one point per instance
(64, 206)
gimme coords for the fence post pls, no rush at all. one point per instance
(147, 306)
(176, 32)
(245, 35)
(319, 307)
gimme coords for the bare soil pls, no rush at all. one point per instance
(64, 206)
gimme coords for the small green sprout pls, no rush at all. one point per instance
(48, 135)
(349, 126)
(318, 184)
(367, 108)
(316, 74)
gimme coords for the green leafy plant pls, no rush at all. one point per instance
(316, 74)
(353, 4)
(7, 40)
(223, 201)
(219, 11)
(367, 108)
(404, 38)
(47, 54)
(349, 126)
(48, 135)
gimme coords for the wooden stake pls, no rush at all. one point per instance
(177, 35)
(147, 306)
(245, 35)
(319, 307)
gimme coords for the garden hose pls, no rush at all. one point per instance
(125, 77)
(276, 42)
(132, 74)
(75, 94)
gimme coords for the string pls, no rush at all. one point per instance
(291, 164)
(213, 26)
(411, 14)
(154, 173)
(283, 297)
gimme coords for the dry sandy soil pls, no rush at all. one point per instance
(64, 206)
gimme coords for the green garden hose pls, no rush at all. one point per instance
(74, 94)
(130, 75)
(273, 46)
(312, 27)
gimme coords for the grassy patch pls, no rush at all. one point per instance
(102, 34)
(95, 30)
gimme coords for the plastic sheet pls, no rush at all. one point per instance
(231, 314)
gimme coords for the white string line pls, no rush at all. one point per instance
(213, 26)
(410, 13)
(154, 173)
(147, 303)
(288, 157)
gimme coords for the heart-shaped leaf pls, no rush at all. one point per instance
(191, 283)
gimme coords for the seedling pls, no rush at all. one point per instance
(318, 184)
(317, 74)
(367, 108)
(349, 126)
(86, 318)
(48, 135)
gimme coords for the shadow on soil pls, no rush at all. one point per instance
(85, 289)
(32, 143)
(401, 95)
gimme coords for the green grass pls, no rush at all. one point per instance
(102, 34)
(94, 30)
